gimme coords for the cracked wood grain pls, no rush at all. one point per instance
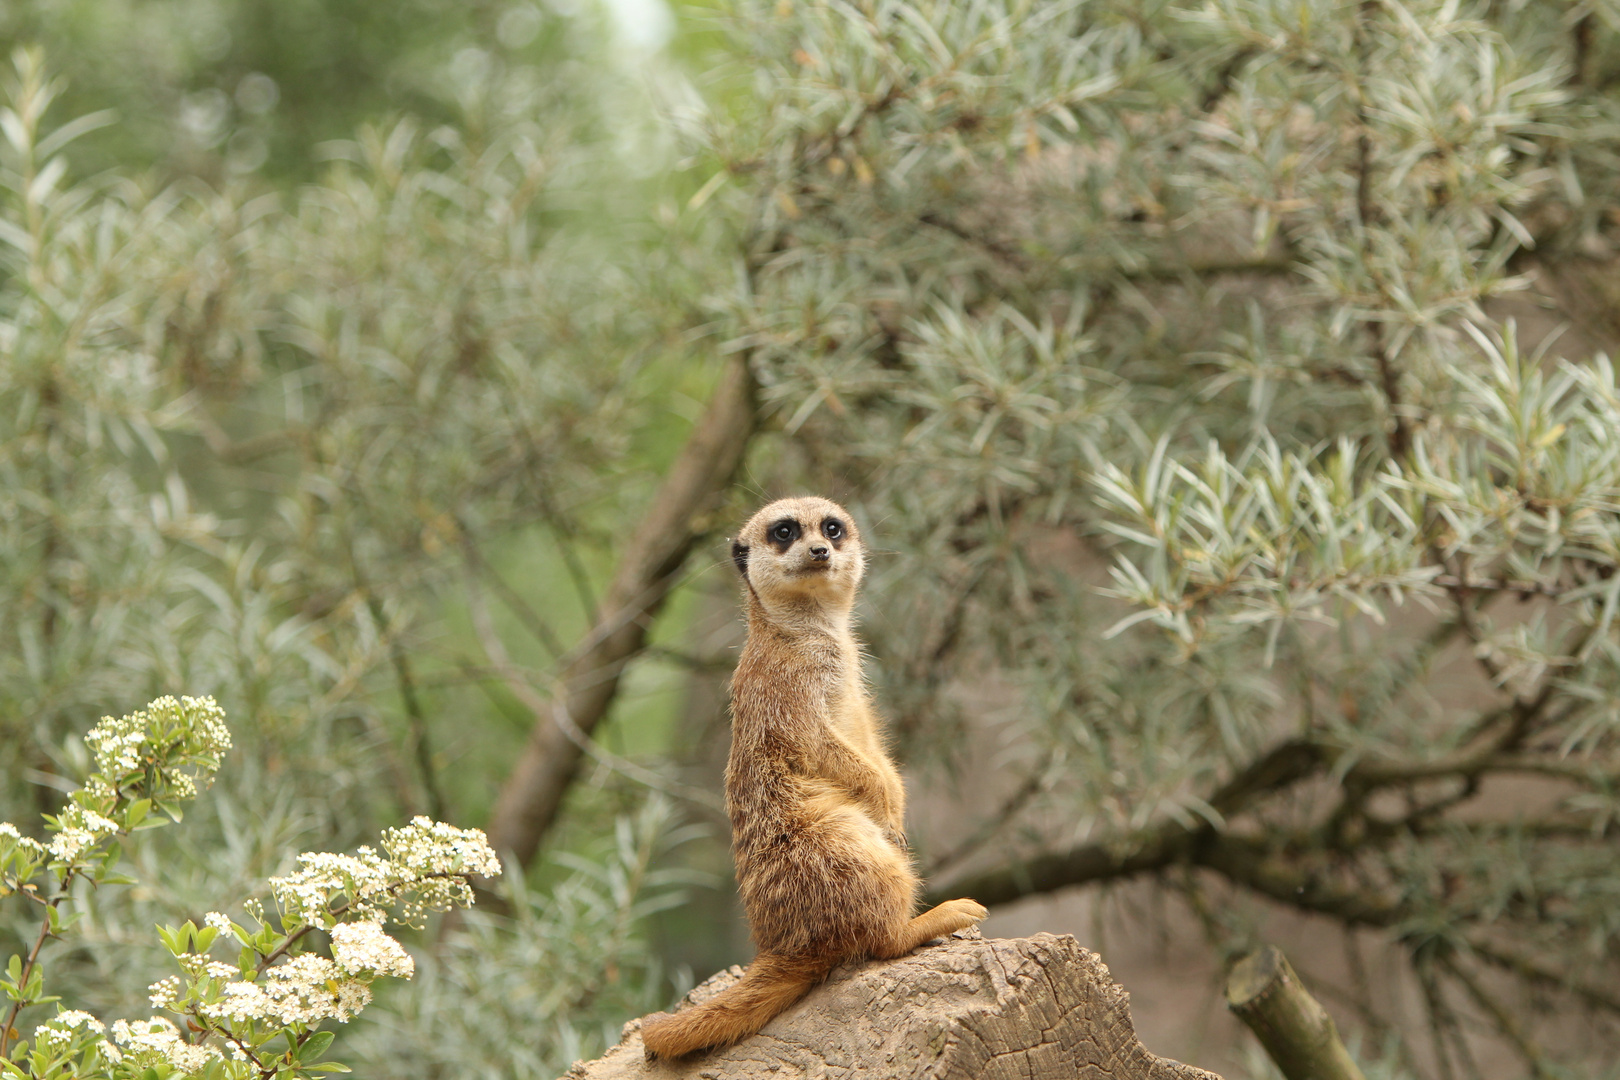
(1037, 1008)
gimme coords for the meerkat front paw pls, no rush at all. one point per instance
(940, 921)
(970, 909)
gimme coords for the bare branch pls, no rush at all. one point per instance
(1545, 975)
(992, 825)
(1244, 861)
(677, 518)
(1441, 1020)
(539, 707)
(1367, 213)
(1521, 587)
(1501, 1016)
(1265, 992)
(514, 602)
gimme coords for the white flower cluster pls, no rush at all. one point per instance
(165, 992)
(434, 858)
(57, 1032)
(208, 722)
(362, 948)
(8, 831)
(426, 847)
(156, 1042)
(305, 990)
(117, 744)
(219, 921)
(427, 869)
(200, 966)
(79, 830)
(306, 895)
(125, 745)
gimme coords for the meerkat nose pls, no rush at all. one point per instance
(819, 553)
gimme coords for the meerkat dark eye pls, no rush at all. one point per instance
(832, 529)
(783, 533)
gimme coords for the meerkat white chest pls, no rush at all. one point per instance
(849, 707)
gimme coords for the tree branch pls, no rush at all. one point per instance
(995, 822)
(32, 960)
(1255, 866)
(1501, 1016)
(1149, 849)
(515, 603)
(1553, 978)
(1264, 992)
(1441, 1019)
(1389, 377)
(538, 707)
(1522, 587)
(677, 518)
(415, 717)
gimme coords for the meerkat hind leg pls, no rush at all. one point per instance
(937, 921)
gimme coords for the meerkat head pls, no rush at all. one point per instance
(801, 551)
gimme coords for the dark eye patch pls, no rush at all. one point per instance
(783, 533)
(834, 530)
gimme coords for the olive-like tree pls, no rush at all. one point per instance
(1189, 362)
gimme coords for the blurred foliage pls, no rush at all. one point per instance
(234, 464)
(221, 88)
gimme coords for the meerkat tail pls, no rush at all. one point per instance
(771, 984)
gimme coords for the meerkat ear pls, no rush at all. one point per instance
(739, 555)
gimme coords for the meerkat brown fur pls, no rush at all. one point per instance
(817, 808)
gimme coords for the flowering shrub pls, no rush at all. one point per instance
(257, 1013)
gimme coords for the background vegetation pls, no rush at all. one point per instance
(391, 375)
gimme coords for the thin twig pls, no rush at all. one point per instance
(1216, 936)
(535, 702)
(564, 535)
(416, 717)
(246, 1048)
(1523, 587)
(993, 824)
(515, 603)
(714, 664)
(342, 909)
(1502, 1016)
(626, 767)
(32, 959)
(1441, 1019)
(1466, 612)
(1389, 377)
(1361, 1000)
(1533, 971)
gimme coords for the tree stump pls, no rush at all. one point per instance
(969, 1009)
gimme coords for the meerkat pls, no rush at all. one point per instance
(817, 808)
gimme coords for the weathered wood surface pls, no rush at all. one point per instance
(1036, 1008)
